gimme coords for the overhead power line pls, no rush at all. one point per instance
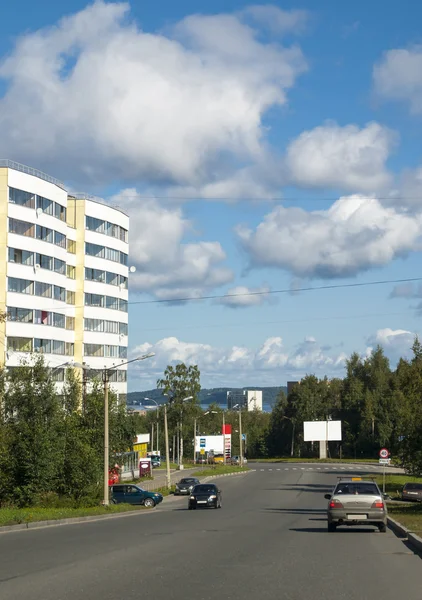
(260, 199)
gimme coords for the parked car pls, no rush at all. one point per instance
(134, 494)
(185, 486)
(155, 462)
(355, 501)
(205, 495)
(235, 460)
(218, 458)
(412, 491)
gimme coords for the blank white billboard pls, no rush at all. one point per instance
(322, 431)
(210, 442)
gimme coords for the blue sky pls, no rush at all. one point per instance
(256, 147)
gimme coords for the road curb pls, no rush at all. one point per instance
(414, 540)
(229, 474)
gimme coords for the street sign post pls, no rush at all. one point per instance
(384, 460)
(202, 443)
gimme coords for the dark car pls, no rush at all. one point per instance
(412, 491)
(133, 494)
(155, 462)
(206, 495)
(185, 486)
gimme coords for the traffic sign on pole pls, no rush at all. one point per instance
(385, 461)
(384, 453)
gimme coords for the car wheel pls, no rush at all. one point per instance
(332, 527)
(382, 528)
(149, 503)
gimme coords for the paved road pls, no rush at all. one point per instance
(268, 541)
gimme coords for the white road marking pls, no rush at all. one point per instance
(270, 469)
(302, 468)
(286, 469)
(278, 469)
(294, 469)
(262, 469)
(318, 468)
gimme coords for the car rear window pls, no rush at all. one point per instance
(369, 489)
(187, 481)
(413, 486)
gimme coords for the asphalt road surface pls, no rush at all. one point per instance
(269, 541)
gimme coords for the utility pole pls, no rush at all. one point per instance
(106, 442)
(194, 441)
(224, 438)
(158, 424)
(166, 434)
(84, 384)
(181, 439)
(152, 436)
(240, 437)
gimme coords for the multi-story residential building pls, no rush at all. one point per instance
(249, 399)
(63, 277)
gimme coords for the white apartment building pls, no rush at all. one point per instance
(63, 277)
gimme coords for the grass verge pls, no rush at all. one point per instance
(16, 516)
(408, 514)
(214, 470)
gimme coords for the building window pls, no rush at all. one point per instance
(70, 349)
(19, 344)
(60, 266)
(122, 352)
(70, 297)
(59, 293)
(21, 257)
(58, 347)
(96, 325)
(70, 323)
(20, 315)
(112, 254)
(42, 346)
(111, 351)
(112, 278)
(59, 239)
(123, 235)
(44, 234)
(93, 350)
(95, 250)
(21, 228)
(71, 246)
(60, 212)
(123, 282)
(45, 290)
(43, 317)
(121, 375)
(57, 374)
(20, 286)
(70, 272)
(123, 328)
(47, 206)
(123, 305)
(45, 262)
(59, 320)
(112, 303)
(123, 258)
(95, 275)
(94, 224)
(21, 198)
(111, 327)
(94, 300)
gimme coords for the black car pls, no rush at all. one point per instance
(206, 495)
(412, 491)
(185, 486)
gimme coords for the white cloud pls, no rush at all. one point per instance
(397, 343)
(341, 157)
(355, 234)
(398, 76)
(278, 20)
(166, 266)
(406, 290)
(270, 364)
(242, 296)
(95, 98)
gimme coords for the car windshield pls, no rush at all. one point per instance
(204, 488)
(368, 489)
(188, 481)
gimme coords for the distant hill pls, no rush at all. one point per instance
(209, 396)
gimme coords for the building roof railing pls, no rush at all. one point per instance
(11, 164)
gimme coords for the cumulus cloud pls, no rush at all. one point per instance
(166, 266)
(355, 234)
(271, 363)
(97, 97)
(398, 76)
(397, 343)
(341, 157)
(243, 296)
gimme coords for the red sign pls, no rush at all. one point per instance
(384, 453)
(226, 430)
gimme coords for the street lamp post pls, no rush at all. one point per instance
(157, 423)
(215, 412)
(106, 426)
(240, 434)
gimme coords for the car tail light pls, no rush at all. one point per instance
(378, 504)
(336, 504)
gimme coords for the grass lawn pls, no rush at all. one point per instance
(314, 460)
(15, 516)
(409, 514)
(214, 470)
